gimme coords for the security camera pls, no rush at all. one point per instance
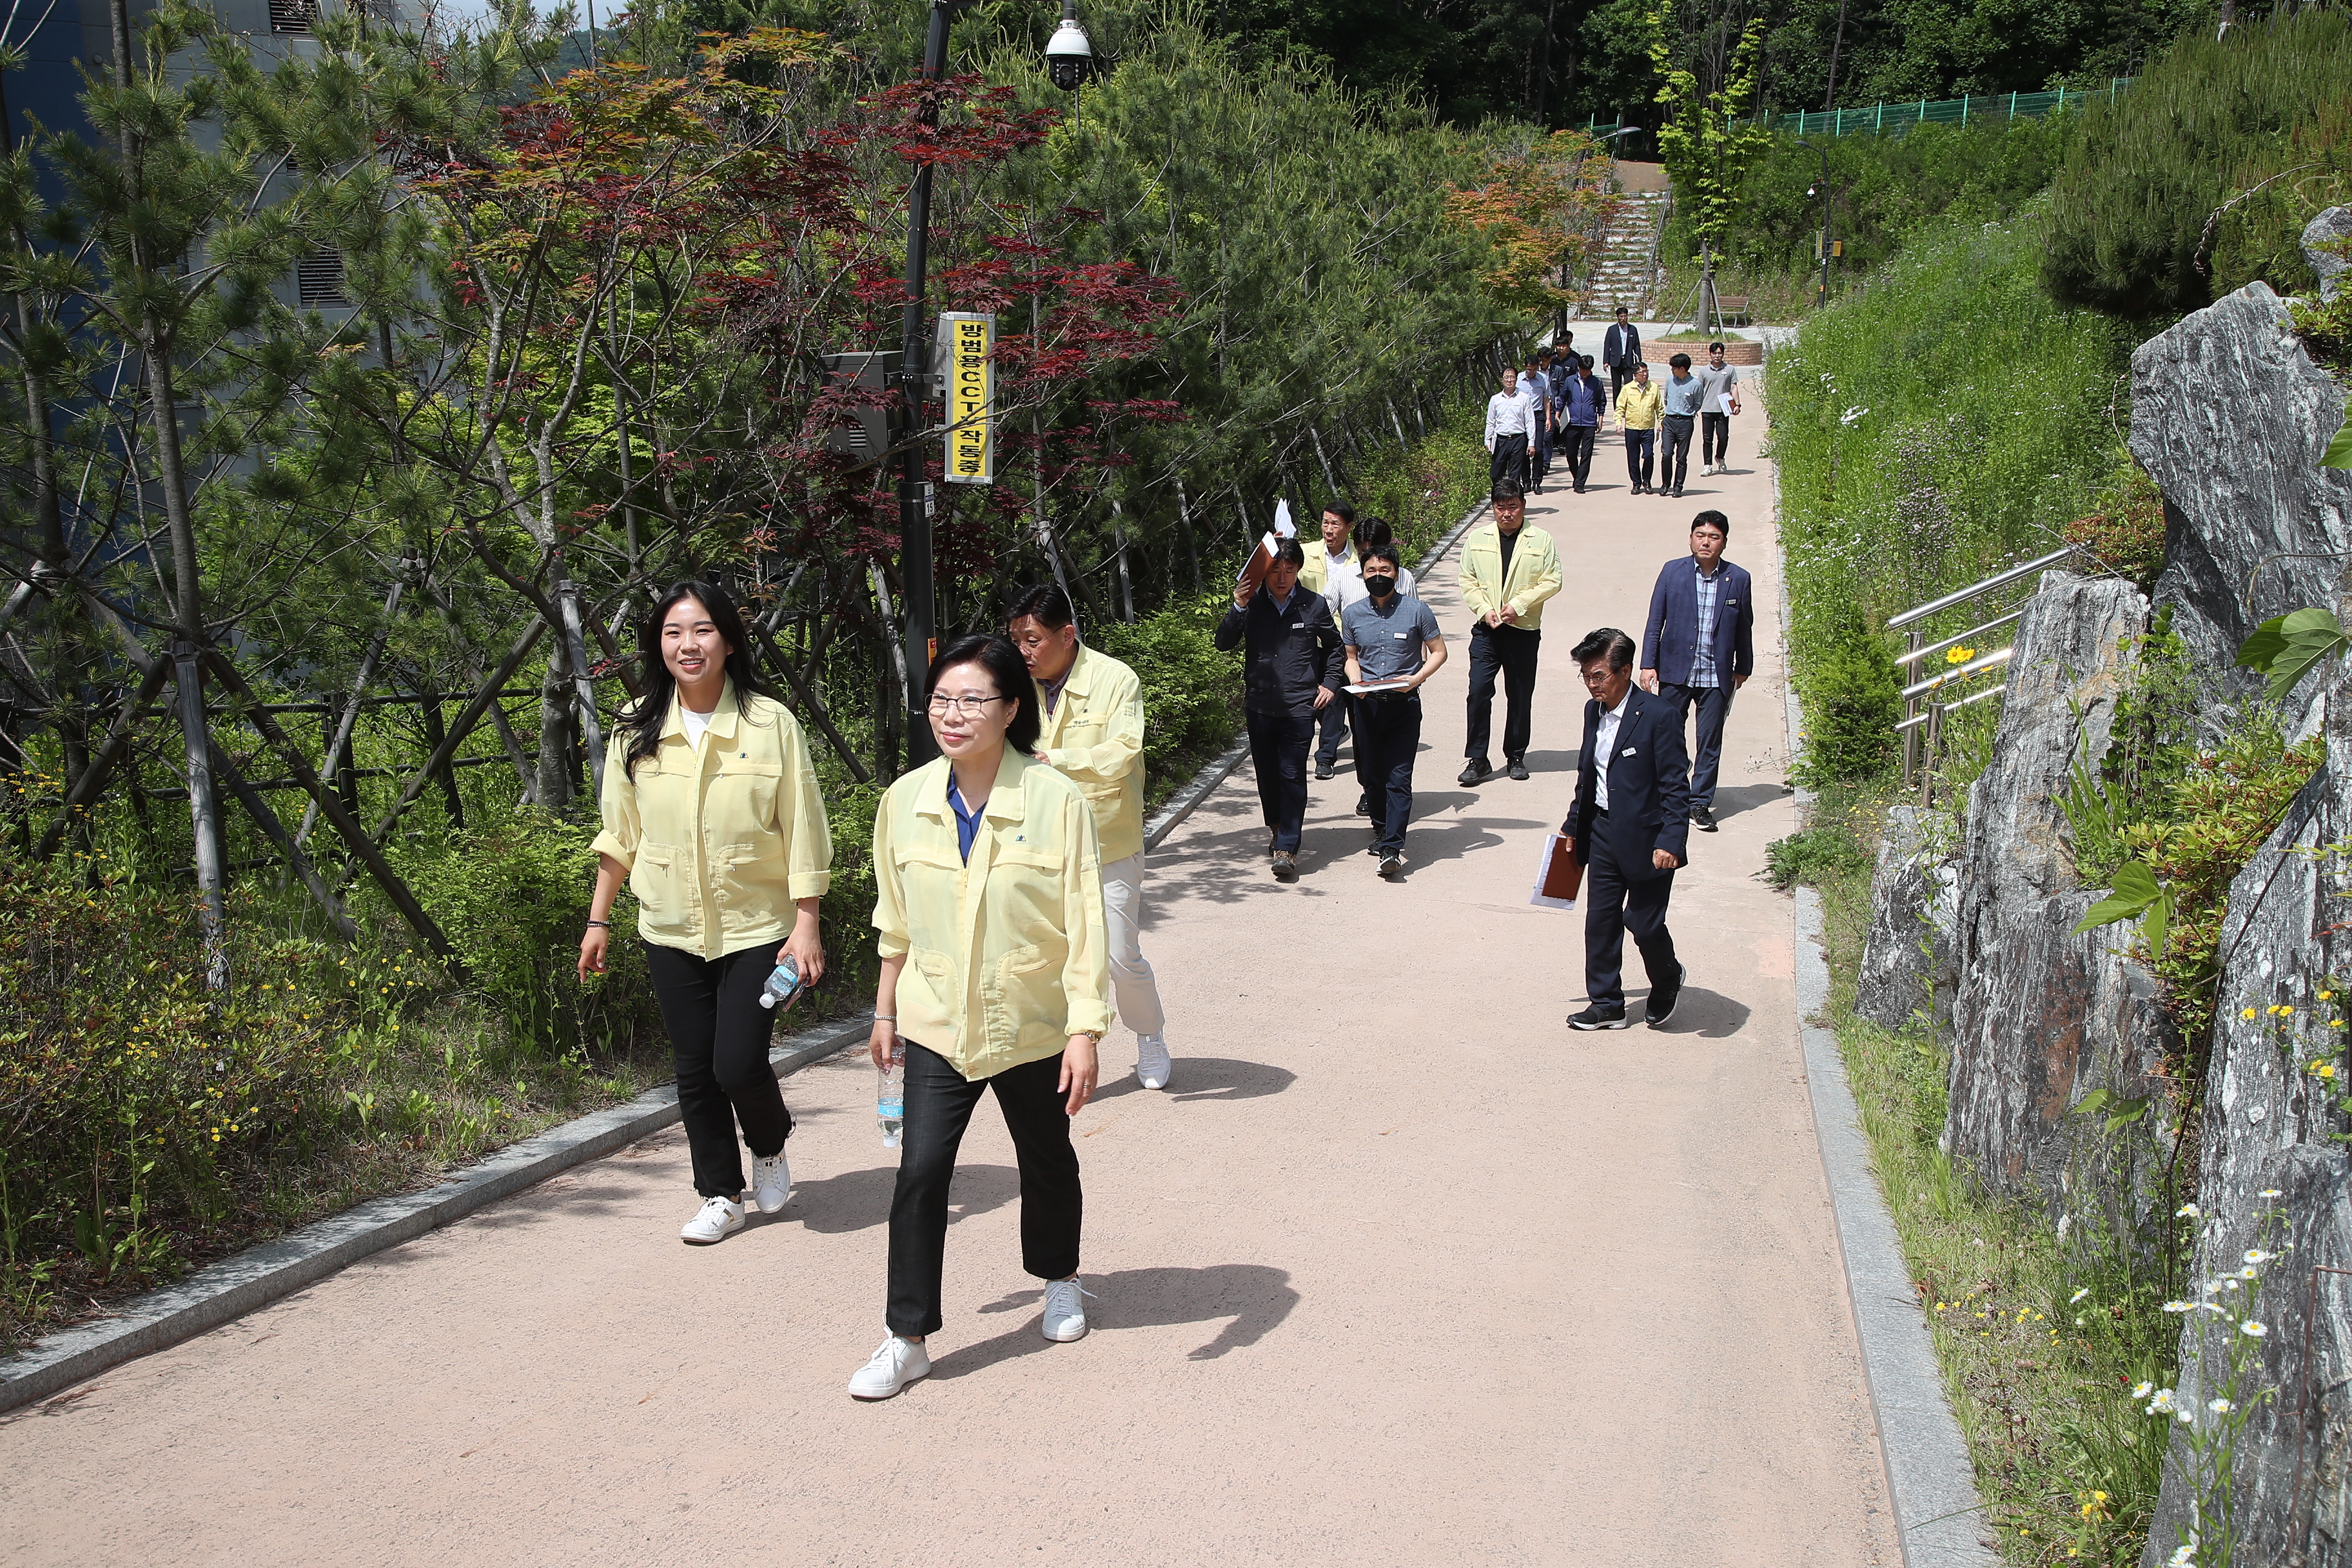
(1069, 58)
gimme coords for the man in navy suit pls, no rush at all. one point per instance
(1630, 828)
(1700, 647)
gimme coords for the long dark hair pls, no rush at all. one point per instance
(646, 716)
(1006, 668)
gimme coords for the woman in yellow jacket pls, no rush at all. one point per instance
(712, 812)
(995, 974)
(1639, 409)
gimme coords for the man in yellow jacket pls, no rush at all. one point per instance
(1090, 708)
(1333, 555)
(1508, 570)
(1640, 407)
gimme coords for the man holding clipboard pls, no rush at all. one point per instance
(1630, 828)
(1392, 644)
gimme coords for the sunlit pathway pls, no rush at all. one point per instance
(1401, 1271)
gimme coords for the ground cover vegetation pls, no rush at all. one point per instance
(1912, 423)
(322, 598)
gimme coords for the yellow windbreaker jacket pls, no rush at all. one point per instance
(1095, 736)
(1535, 574)
(1006, 957)
(1640, 407)
(720, 839)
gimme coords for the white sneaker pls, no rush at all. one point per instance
(1066, 1311)
(771, 1182)
(719, 1218)
(898, 1364)
(1152, 1064)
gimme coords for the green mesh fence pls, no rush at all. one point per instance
(1881, 118)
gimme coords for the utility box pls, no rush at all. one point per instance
(867, 439)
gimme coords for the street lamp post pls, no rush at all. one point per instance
(1821, 190)
(1069, 62)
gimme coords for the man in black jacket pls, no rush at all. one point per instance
(1630, 829)
(1292, 670)
(1621, 350)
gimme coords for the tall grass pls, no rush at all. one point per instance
(1946, 421)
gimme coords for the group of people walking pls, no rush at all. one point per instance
(1009, 872)
(1555, 407)
(1008, 902)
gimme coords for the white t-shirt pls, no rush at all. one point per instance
(696, 723)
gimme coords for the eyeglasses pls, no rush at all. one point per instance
(969, 707)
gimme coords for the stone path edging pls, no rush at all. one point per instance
(228, 1290)
(1931, 1479)
(235, 1285)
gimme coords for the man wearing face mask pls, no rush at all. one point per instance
(1391, 640)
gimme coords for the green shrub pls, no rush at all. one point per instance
(513, 896)
(1190, 691)
(1852, 703)
(2124, 533)
(2221, 152)
(1813, 856)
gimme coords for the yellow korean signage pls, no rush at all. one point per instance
(970, 388)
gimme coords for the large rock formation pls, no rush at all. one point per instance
(2257, 507)
(2229, 416)
(2268, 1126)
(1909, 964)
(2042, 1017)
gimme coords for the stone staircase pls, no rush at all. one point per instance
(1626, 274)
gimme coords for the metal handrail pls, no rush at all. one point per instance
(1974, 666)
(1917, 654)
(1949, 706)
(1998, 580)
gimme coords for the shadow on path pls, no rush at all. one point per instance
(858, 1200)
(1211, 1077)
(1738, 798)
(1253, 1297)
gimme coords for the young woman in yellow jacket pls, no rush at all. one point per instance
(711, 811)
(995, 974)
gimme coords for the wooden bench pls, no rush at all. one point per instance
(1732, 308)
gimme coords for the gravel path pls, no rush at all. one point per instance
(1399, 1272)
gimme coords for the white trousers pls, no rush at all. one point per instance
(1132, 979)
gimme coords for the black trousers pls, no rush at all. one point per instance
(1278, 755)
(939, 1102)
(1617, 380)
(719, 1038)
(1714, 437)
(1576, 450)
(1639, 446)
(1331, 726)
(1673, 452)
(1510, 456)
(1713, 705)
(1388, 738)
(1615, 904)
(1511, 652)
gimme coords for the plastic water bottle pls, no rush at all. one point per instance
(784, 981)
(890, 1095)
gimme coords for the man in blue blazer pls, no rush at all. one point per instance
(1700, 647)
(1631, 831)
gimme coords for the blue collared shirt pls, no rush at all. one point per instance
(967, 821)
(1703, 671)
(1684, 396)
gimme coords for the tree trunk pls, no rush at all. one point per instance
(555, 790)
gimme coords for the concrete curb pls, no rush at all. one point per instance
(260, 1274)
(1203, 785)
(1931, 1479)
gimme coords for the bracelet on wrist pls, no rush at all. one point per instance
(886, 1018)
(606, 924)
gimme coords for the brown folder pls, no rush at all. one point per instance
(1558, 877)
(1260, 562)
